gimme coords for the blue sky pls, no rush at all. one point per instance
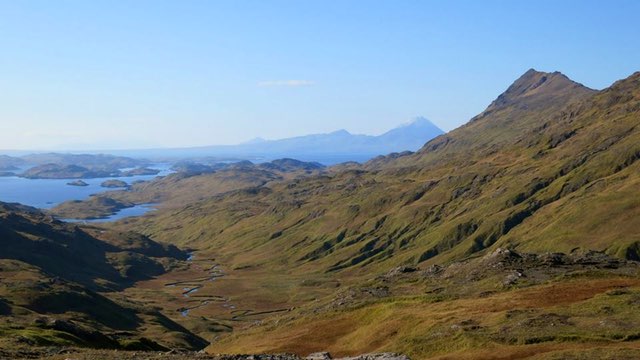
(135, 74)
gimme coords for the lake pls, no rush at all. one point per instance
(47, 193)
(136, 210)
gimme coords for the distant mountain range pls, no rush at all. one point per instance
(328, 149)
(518, 231)
(331, 148)
(411, 136)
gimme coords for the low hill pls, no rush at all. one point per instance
(92, 161)
(10, 163)
(55, 171)
(192, 182)
(60, 286)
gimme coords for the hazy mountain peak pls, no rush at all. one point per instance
(333, 147)
(412, 135)
(417, 122)
(340, 132)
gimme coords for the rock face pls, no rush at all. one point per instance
(319, 356)
(510, 268)
(400, 270)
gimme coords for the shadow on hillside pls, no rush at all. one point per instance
(5, 309)
(67, 252)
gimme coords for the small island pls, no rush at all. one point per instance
(77, 183)
(114, 183)
(6, 173)
(55, 171)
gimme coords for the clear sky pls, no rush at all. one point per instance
(134, 74)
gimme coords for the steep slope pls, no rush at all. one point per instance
(463, 192)
(549, 166)
(526, 105)
(536, 154)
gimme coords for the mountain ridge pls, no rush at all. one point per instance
(329, 148)
(409, 136)
(552, 172)
(517, 232)
(415, 196)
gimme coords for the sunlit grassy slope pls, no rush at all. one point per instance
(185, 187)
(296, 259)
(549, 166)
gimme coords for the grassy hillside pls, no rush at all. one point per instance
(187, 186)
(486, 184)
(549, 166)
(502, 305)
(406, 253)
(60, 286)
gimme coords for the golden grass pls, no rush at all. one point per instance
(424, 329)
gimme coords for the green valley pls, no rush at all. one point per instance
(516, 235)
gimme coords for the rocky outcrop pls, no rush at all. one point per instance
(77, 183)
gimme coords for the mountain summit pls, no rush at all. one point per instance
(551, 168)
(410, 136)
(536, 89)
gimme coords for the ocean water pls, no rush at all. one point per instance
(47, 193)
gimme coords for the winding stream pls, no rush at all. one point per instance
(193, 285)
